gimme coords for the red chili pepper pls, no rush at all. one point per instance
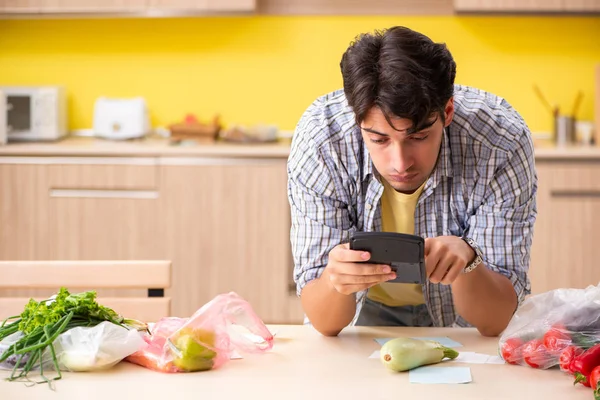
(567, 356)
(557, 338)
(511, 351)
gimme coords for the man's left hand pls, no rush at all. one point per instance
(446, 257)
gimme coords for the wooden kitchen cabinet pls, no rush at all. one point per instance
(222, 222)
(349, 7)
(103, 211)
(78, 212)
(23, 216)
(93, 6)
(565, 249)
(71, 6)
(582, 5)
(231, 5)
(123, 6)
(23, 211)
(226, 228)
(203, 5)
(508, 5)
(21, 6)
(527, 6)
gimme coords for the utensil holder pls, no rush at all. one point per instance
(564, 130)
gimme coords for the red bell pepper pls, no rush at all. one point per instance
(557, 338)
(583, 379)
(511, 350)
(567, 356)
(536, 355)
(594, 380)
(583, 364)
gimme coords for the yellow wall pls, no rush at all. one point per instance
(268, 69)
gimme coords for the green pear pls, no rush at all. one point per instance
(192, 352)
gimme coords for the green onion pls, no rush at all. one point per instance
(42, 322)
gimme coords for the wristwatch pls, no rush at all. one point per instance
(478, 255)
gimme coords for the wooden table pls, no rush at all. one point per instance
(305, 365)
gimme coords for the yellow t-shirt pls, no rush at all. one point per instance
(398, 215)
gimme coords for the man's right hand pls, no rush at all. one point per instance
(348, 272)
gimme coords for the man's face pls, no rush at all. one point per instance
(404, 159)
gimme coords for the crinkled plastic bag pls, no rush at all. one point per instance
(550, 328)
(84, 348)
(207, 339)
(95, 348)
(5, 343)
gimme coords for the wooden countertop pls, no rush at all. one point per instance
(545, 150)
(305, 365)
(91, 147)
(82, 146)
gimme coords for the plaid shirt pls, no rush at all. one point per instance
(484, 187)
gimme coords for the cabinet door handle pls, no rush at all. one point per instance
(104, 194)
(576, 193)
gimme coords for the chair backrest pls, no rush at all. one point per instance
(153, 276)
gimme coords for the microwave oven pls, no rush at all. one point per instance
(33, 113)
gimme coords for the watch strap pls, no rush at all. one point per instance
(478, 255)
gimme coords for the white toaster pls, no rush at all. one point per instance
(121, 119)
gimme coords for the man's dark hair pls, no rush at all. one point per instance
(402, 72)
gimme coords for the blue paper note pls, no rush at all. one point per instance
(443, 340)
(433, 375)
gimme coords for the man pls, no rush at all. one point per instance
(404, 149)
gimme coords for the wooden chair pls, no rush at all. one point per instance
(154, 276)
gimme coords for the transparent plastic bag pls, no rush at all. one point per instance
(553, 329)
(94, 348)
(207, 339)
(83, 349)
(5, 343)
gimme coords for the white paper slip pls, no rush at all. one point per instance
(496, 360)
(477, 358)
(254, 338)
(437, 375)
(375, 354)
(443, 340)
(472, 358)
